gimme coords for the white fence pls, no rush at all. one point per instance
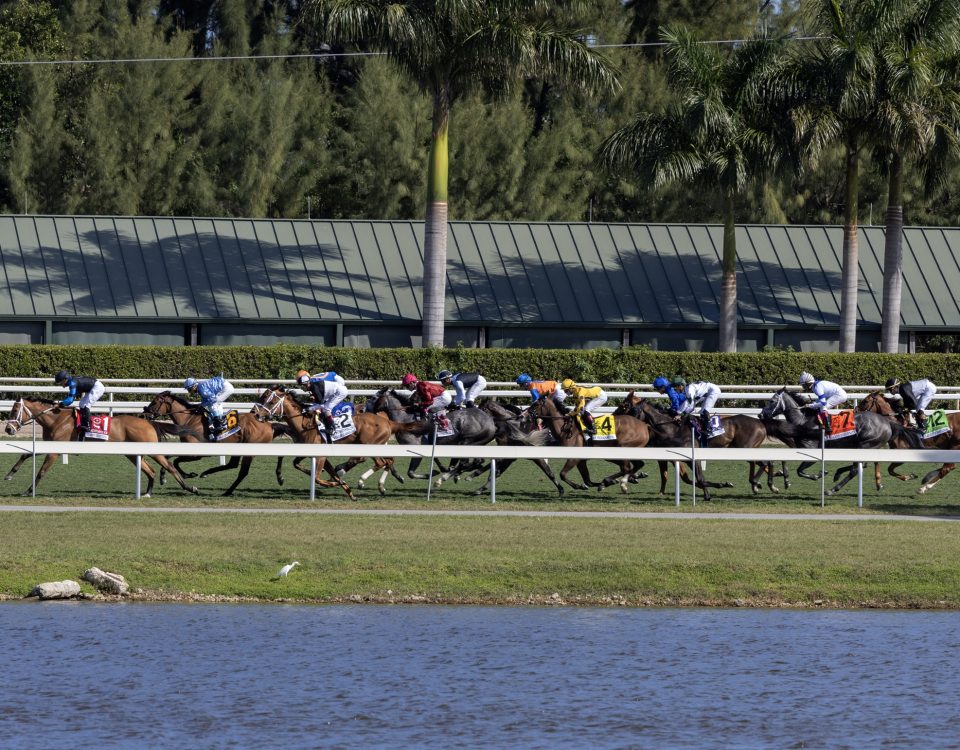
(493, 452)
(948, 396)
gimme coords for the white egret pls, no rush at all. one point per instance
(286, 569)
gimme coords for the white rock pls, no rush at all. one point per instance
(108, 583)
(56, 590)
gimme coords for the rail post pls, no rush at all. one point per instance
(823, 467)
(33, 482)
(859, 484)
(676, 482)
(693, 462)
(138, 466)
(313, 478)
(433, 451)
(493, 480)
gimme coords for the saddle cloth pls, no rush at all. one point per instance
(99, 426)
(937, 424)
(606, 427)
(716, 428)
(842, 425)
(343, 424)
(232, 422)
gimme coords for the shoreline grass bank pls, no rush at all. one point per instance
(491, 560)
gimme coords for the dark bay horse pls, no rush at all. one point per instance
(186, 414)
(740, 431)
(631, 433)
(801, 429)
(59, 424)
(470, 426)
(877, 403)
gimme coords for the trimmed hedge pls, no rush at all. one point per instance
(633, 365)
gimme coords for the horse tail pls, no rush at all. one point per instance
(912, 438)
(168, 429)
(513, 433)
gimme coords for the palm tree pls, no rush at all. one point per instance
(450, 47)
(714, 135)
(917, 115)
(832, 86)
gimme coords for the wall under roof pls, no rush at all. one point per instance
(90, 274)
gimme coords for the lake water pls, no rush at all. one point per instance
(244, 676)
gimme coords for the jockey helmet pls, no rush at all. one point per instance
(303, 377)
(61, 377)
(189, 383)
(806, 379)
(523, 379)
(567, 384)
(893, 383)
(444, 374)
(678, 381)
(661, 382)
(409, 380)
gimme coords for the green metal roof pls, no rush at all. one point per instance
(520, 272)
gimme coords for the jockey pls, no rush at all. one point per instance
(915, 395)
(662, 385)
(328, 390)
(542, 388)
(829, 396)
(467, 386)
(698, 393)
(89, 389)
(588, 399)
(213, 392)
(433, 399)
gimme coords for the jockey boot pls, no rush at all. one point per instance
(469, 404)
(84, 419)
(217, 425)
(704, 423)
(824, 419)
(921, 422)
(329, 426)
(589, 422)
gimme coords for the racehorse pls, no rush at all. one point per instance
(185, 414)
(630, 431)
(507, 422)
(877, 403)
(371, 429)
(470, 427)
(739, 431)
(59, 424)
(801, 429)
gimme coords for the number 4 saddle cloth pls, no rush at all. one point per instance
(842, 425)
(606, 427)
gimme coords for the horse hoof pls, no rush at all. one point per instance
(623, 489)
(641, 475)
(728, 484)
(143, 497)
(773, 488)
(8, 477)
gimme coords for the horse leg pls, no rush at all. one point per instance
(244, 470)
(701, 480)
(341, 469)
(280, 470)
(935, 476)
(785, 474)
(412, 469)
(233, 463)
(336, 481)
(581, 467)
(165, 463)
(892, 471)
(851, 471)
(802, 470)
(754, 470)
(42, 471)
(178, 463)
(16, 466)
(876, 476)
(148, 471)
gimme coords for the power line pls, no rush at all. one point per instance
(320, 55)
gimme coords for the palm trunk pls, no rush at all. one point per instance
(850, 276)
(435, 232)
(893, 258)
(728, 286)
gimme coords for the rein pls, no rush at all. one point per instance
(31, 417)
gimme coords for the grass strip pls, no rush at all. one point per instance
(492, 560)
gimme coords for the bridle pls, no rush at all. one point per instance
(18, 422)
(272, 408)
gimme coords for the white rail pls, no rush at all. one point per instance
(493, 452)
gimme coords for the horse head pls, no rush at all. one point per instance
(272, 403)
(160, 406)
(877, 403)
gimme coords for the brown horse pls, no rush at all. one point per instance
(59, 424)
(739, 431)
(372, 429)
(877, 403)
(190, 416)
(631, 433)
